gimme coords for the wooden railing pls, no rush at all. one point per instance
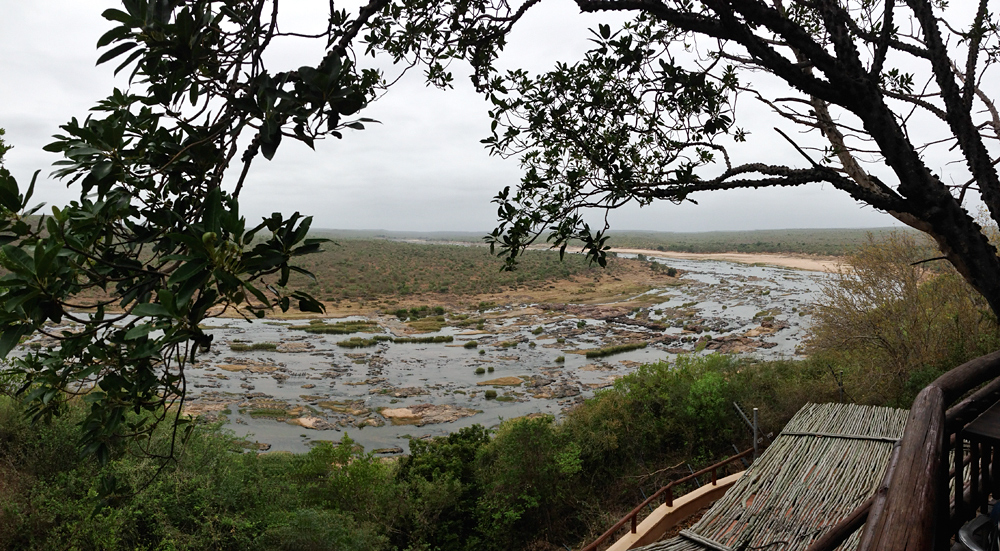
(667, 493)
(912, 508)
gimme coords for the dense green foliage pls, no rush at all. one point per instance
(529, 480)
(212, 498)
(895, 323)
(155, 240)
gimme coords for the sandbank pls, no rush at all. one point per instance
(797, 262)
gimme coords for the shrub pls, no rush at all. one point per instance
(889, 319)
(528, 475)
(209, 498)
(491, 394)
(360, 342)
(560, 359)
(538, 330)
(617, 349)
(339, 328)
(319, 530)
(439, 476)
(423, 340)
(490, 369)
(471, 344)
(480, 371)
(243, 347)
(10, 381)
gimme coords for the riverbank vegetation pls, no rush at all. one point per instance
(885, 328)
(366, 269)
(818, 241)
(528, 481)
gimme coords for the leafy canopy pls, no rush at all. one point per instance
(877, 95)
(120, 280)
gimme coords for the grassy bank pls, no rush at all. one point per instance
(356, 268)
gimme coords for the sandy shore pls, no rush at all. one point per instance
(798, 262)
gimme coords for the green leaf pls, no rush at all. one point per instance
(116, 15)
(9, 194)
(130, 59)
(116, 51)
(10, 338)
(16, 260)
(187, 271)
(114, 34)
(101, 170)
(94, 396)
(150, 309)
(138, 331)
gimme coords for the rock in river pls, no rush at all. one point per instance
(315, 423)
(425, 414)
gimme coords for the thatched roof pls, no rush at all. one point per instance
(826, 462)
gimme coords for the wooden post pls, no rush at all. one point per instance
(942, 532)
(903, 514)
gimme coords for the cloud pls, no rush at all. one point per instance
(422, 168)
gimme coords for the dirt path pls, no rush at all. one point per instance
(798, 262)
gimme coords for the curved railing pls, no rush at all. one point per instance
(667, 493)
(912, 508)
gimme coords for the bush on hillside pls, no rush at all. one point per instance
(897, 323)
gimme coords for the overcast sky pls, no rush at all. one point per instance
(422, 169)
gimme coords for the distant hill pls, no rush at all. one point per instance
(834, 242)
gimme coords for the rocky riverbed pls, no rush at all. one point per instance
(505, 362)
(289, 384)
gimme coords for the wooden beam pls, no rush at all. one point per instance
(903, 516)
